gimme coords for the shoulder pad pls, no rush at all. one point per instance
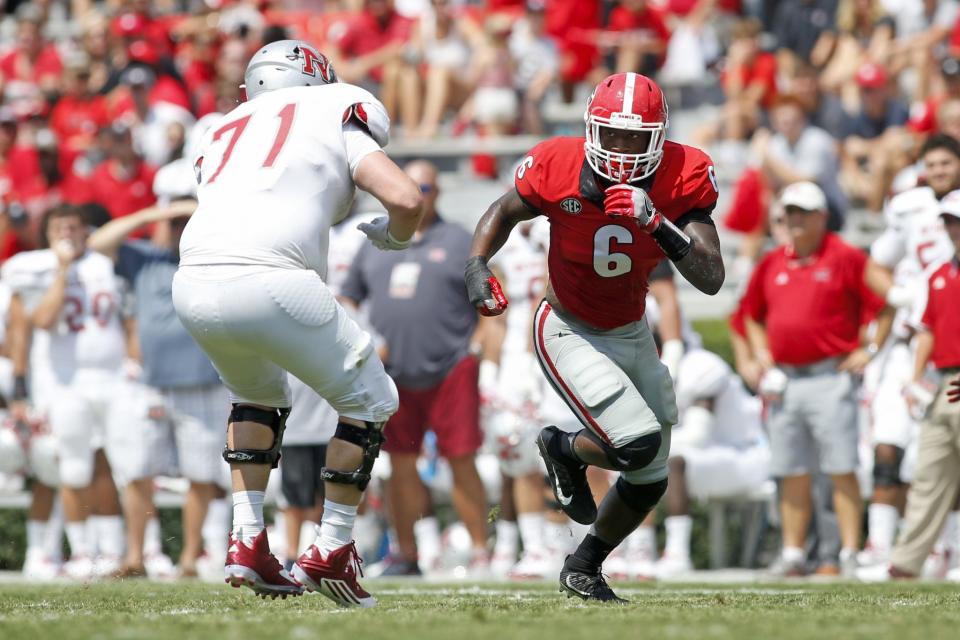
(361, 107)
(372, 118)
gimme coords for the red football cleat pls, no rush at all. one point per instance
(257, 568)
(335, 577)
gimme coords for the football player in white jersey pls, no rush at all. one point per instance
(718, 449)
(914, 240)
(274, 175)
(512, 391)
(72, 299)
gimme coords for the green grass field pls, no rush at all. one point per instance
(464, 611)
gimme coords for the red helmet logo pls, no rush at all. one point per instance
(626, 102)
(315, 62)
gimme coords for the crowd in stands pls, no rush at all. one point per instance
(851, 96)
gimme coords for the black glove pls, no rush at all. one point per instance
(483, 288)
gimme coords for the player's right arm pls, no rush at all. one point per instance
(492, 231)
(108, 238)
(47, 311)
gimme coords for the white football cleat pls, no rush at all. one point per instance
(643, 566)
(936, 566)
(670, 567)
(501, 564)
(874, 573)
(37, 567)
(104, 566)
(79, 568)
(616, 566)
(872, 555)
(159, 566)
(534, 565)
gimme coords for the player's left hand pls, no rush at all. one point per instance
(953, 393)
(627, 201)
(378, 230)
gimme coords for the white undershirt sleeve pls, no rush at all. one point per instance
(358, 144)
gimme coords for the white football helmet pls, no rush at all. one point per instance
(12, 454)
(44, 459)
(514, 443)
(286, 63)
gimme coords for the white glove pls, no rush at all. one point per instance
(899, 296)
(773, 384)
(919, 397)
(378, 230)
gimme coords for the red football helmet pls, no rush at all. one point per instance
(631, 102)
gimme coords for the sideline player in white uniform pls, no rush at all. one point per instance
(73, 296)
(914, 240)
(274, 176)
(718, 449)
(515, 390)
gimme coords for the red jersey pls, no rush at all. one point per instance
(812, 307)
(599, 265)
(941, 317)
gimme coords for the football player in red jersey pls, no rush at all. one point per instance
(617, 202)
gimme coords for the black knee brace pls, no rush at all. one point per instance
(642, 498)
(634, 455)
(887, 474)
(368, 438)
(276, 419)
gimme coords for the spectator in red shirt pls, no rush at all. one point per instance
(574, 24)
(368, 49)
(749, 80)
(804, 309)
(31, 70)
(642, 37)
(80, 113)
(123, 183)
(933, 489)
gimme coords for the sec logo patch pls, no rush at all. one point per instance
(571, 205)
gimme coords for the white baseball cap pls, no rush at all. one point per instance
(950, 204)
(803, 195)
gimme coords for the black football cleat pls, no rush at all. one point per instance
(568, 479)
(587, 584)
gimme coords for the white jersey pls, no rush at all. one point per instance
(704, 375)
(276, 173)
(524, 267)
(88, 333)
(913, 241)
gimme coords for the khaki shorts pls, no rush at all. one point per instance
(613, 381)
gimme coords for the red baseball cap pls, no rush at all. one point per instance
(871, 75)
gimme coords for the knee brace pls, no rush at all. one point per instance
(276, 419)
(634, 455)
(642, 498)
(368, 438)
(887, 474)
